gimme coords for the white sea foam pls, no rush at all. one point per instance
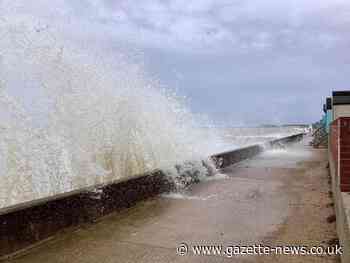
(93, 116)
(75, 113)
(187, 196)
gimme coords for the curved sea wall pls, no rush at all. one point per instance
(26, 224)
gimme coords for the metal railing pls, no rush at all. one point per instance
(320, 137)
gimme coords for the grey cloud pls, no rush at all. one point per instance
(239, 25)
(238, 61)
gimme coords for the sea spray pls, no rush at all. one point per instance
(78, 107)
(89, 116)
(190, 172)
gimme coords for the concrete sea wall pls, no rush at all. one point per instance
(28, 224)
(225, 159)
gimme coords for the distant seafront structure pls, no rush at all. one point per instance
(334, 107)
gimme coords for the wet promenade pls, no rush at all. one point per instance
(278, 198)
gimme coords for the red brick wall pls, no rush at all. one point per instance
(340, 149)
(344, 143)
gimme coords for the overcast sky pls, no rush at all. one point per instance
(242, 62)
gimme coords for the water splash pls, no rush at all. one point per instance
(87, 116)
(78, 109)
